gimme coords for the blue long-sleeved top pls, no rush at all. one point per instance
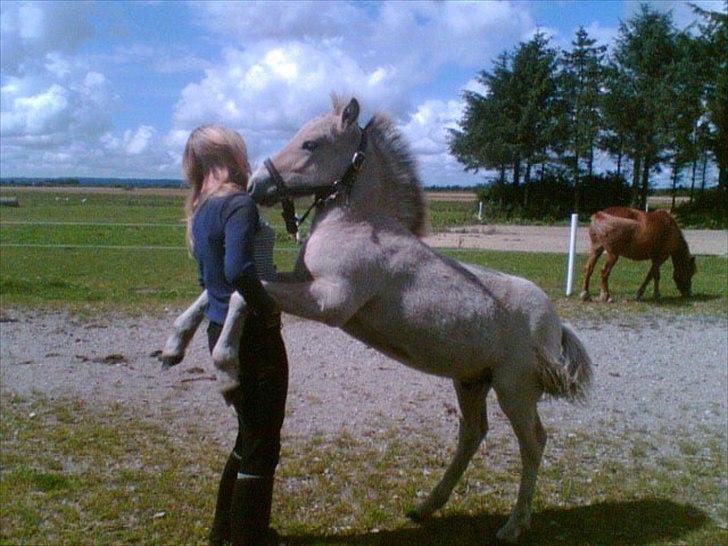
(223, 230)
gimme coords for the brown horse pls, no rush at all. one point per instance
(638, 235)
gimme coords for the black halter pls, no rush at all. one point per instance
(324, 194)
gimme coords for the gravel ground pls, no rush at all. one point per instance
(657, 378)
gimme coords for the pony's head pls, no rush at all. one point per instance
(683, 275)
(319, 154)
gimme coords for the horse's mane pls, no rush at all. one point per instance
(682, 252)
(402, 182)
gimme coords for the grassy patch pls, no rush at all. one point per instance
(67, 476)
(70, 477)
(710, 284)
(146, 279)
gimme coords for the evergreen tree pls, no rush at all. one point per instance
(683, 109)
(485, 139)
(714, 47)
(535, 90)
(639, 75)
(580, 87)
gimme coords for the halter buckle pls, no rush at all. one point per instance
(358, 160)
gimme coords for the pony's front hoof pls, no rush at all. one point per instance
(585, 296)
(512, 531)
(170, 360)
(508, 535)
(605, 298)
(228, 386)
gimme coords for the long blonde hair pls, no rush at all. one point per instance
(216, 151)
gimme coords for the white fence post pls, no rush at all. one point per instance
(572, 251)
(480, 211)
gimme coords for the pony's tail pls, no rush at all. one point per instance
(569, 376)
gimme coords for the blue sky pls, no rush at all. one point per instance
(114, 88)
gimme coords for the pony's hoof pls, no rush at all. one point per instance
(585, 296)
(509, 533)
(170, 360)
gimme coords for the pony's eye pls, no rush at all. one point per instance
(310, 145)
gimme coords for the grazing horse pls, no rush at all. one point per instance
(638, 235)
(365, 270)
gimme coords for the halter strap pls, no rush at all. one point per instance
(324, 194)
(289, 209)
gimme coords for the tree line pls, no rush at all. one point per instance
(657, 98)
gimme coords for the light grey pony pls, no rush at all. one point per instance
(365, 270)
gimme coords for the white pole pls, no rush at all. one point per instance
(480, 211)
(572, 249)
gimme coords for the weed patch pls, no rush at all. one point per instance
(70, 474)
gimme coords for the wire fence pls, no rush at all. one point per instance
(95, 224)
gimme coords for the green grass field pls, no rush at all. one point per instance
(92, 251)
(125, 489)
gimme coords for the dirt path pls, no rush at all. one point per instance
(556, 239)
(659, 376)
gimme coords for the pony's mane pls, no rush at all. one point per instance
(402, 181)
(338, 103)
(683, 250)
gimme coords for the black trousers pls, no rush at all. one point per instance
(260, 400)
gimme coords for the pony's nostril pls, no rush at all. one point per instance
(262, 190)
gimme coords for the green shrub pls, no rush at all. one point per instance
(708, 210)
(553, 197)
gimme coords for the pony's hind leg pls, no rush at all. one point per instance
(654, 275)
(518, 401)
(594, 254)
(473, 428)
(604, 277)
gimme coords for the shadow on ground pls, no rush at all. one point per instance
(635, 523)
(679, 301)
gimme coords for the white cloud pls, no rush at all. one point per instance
(30, 30)
(274, 69)
(292, 55)
(415, 37)
(427, 131)
(427, 128)
(269, 90)
(137, 142)
(44, 112)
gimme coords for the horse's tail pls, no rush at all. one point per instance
(569, 376)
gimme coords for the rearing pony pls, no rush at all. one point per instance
(365, 270)
(638, 235)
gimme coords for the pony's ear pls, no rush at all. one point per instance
(350, 113)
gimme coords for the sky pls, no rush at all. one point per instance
(113, 89)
